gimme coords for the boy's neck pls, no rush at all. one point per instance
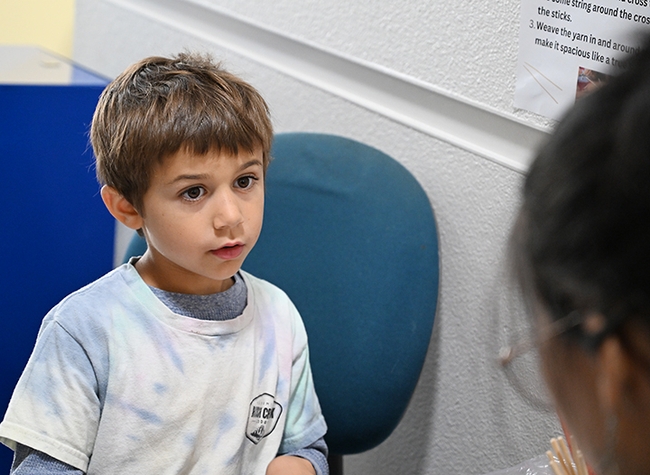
(220, 306)
(174, 280)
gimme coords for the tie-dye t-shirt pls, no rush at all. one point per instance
(117, 383)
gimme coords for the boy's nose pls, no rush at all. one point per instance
(227, 213)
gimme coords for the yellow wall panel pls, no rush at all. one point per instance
(46, 23)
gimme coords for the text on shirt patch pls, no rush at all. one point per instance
(263, 416)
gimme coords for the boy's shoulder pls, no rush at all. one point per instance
(121, 276)
(268, 297)
(262, 289)
(109, 290)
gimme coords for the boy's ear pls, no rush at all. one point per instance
(120, 208)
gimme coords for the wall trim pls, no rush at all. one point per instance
(414, 103)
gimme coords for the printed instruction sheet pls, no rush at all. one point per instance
(567, 48)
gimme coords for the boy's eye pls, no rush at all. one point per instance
(245, 182)
(193, 193)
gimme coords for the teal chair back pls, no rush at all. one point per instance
(351, 237)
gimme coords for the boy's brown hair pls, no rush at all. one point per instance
(160, 105)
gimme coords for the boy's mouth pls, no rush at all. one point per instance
(231, 251)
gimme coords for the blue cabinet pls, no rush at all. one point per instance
(55, 233)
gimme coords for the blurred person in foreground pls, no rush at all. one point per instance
(581, 250)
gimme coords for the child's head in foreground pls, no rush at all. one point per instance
(182, 147)
(582, 249)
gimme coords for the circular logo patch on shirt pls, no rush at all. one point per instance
(263, 416)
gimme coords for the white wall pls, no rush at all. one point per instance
(430, 83)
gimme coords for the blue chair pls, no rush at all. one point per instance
(350, 235)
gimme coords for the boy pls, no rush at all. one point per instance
(176, 362)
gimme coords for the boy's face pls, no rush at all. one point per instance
(202, 214)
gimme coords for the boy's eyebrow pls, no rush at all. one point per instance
(250, 164)
(200, 176)
(205, 176)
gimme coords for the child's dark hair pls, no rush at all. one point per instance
(160, 105)
(582, 239)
